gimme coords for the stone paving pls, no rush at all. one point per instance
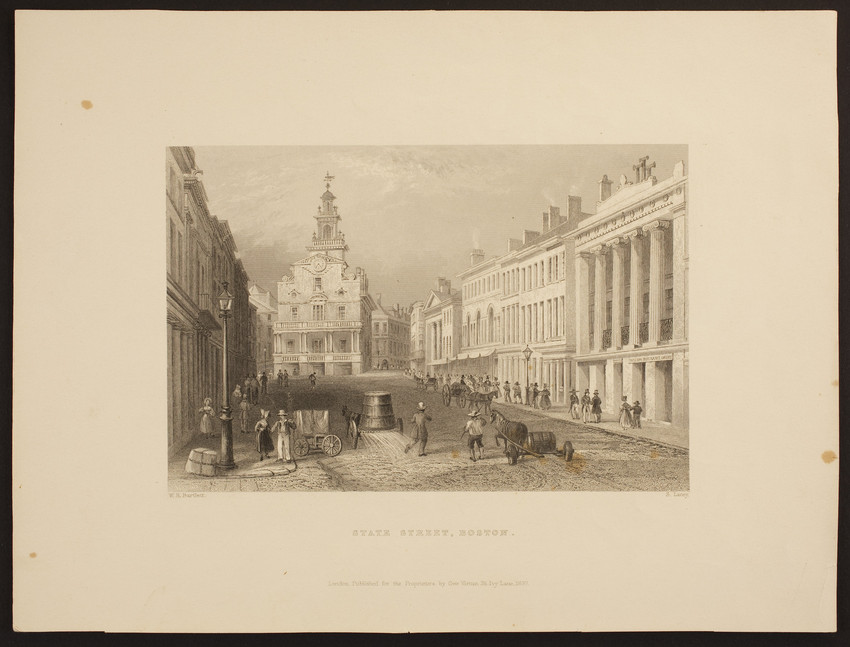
(603, 461)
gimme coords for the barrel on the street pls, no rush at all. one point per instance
(202, 461)
(542, 442)
(377, 412)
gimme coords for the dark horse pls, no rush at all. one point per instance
(516, 432)
(480, 400)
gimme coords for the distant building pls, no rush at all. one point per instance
(417, 336)
(631, 290)
(324, 307)
(267, 309)
(390, 336)
(442, 312)
(201, 257)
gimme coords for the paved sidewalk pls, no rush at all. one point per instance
(660, 432)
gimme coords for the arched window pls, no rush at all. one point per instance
(327, 232)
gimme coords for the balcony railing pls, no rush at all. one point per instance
(310, 325)
(606, 338)
(624, 335)
(666, 329)
(644, 332)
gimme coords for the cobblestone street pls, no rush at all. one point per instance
(602, 461)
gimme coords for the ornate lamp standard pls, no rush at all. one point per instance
(527, 353)
(225, 309)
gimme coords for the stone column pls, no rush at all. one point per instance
(170, 393)
(600, 298)
(582, 292)
(617, 295)
(636, 296)
(656, 277)
(680, 295)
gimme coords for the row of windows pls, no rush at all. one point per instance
(666, 313)
(481, 286)
(318, 312)
(533, 322)
(533, 276)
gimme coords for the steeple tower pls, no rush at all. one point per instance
(328, 239)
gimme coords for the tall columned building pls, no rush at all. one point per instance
(324, 307)
(631, 277)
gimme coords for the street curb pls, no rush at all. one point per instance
(611, 432)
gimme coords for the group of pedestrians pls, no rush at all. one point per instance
(535, 397)
(589, 408)
(283, 427)
(474, 428)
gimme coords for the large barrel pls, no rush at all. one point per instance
(542, 442)
(202, 462)
(377, 412)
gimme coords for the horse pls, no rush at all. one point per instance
(516, 432)
(477, 398)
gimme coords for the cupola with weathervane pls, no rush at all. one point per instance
(328, 239)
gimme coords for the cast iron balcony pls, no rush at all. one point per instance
(624, 335)
(606, 338)
(644, 332)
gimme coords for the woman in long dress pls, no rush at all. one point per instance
(244, 408)
(545, 400)
(206, 420)
(264, 437)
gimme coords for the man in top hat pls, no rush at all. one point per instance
(508, 392)
(475, 428)
(535, 393)
(636, 411)
(625, 413)
(284, 428)
(586, 403)
(596, 403)
(264, 383)
(420, 429)
(574, 402)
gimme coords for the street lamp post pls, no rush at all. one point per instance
(225, 308)
(527, 353)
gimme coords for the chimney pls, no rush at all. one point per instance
(529, 236)
(514, 243)
(551, 218)
(574, 207)
(604, 188)
(443, 286)
(476, 256)
(378, 298)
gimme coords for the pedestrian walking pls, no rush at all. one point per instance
(636, 411)
(625, 413)
(596, 403)
(574, 405)
(508, 392)
(264, 438)
(246, 387)
(495, 390)
(420, 429)
(279, 378)
(207, 418)
(286, 379)
(535, 393)
(255, 390)
(312, 381)
(264, 382)
(517, 393)
(236, 396)
(244, 408)
(283, 428)
(545, 399)
(475, 428)
(586, 404)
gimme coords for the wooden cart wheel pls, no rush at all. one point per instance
(462, 401)
(447, 395)
(332, 445)
(301, 447)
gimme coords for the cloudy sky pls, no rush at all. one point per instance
(409, 213)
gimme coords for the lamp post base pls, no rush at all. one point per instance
(226, 461)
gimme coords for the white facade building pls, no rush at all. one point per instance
(417, 336)
(324, 308)
(631, 286)
(442, 312)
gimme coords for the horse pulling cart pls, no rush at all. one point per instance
(425, 382)
(520, 442)
(312, 433)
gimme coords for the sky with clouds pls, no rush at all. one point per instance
(409, 213)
